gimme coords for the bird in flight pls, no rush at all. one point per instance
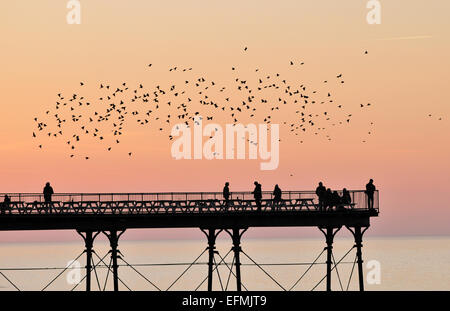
(104, 118)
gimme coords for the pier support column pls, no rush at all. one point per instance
(88, 238)
(114, 242)
(329, 237)
(358, 234)
(236, 235)
(211, 235)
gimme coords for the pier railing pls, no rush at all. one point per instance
(180, 202)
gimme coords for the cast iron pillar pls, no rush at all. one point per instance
(329, 237)
(211, 235)
(89, 242)
(358, 235)
(236, 235)
(113, 238)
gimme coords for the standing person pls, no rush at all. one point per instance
(370, 190)
(257, 194)
(226, 194)
(327, 199)
(320, 192)
(48, 192)
(276, 196)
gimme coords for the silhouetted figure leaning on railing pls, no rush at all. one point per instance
(370, 190)
(336, 200)
(276, 196)
(257, 194)
(346, 198)
(226, 194)
(320, 192)
(328, 200)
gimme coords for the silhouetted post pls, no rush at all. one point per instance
(211, 235)
(237, 262)
(236, 235)
(329, 239)
(114, 241)
(358, 235)
(358, 241)
(211, 248)
(329, 236)
(89, 242)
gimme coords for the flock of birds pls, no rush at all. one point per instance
(263, 98)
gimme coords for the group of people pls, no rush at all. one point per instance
(328, 199)
(257, 194)
(47, 192)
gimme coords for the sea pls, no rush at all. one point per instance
(390, 264)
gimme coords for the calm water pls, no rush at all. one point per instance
(419, 263)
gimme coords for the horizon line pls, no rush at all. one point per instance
(219, 237)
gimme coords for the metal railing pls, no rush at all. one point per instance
(179, 202)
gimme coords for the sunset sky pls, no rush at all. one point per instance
(405, 77)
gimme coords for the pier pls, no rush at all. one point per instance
(111, 214)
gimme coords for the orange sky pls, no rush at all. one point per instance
(405, 78)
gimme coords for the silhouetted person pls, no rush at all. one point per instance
(5, 204)
(346, 198)
(335, 200)
(320, 192)
(226, 194)
(370, 190)
(276, 195)
(48, 192)
(257, 194)
(328, 199)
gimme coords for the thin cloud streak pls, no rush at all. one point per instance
(405, 38)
